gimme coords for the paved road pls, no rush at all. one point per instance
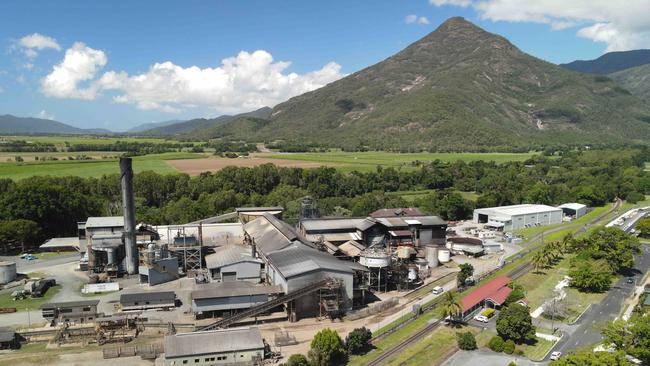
(487, 358)
(585, 334)
(23, 266)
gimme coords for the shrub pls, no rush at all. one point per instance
(512, 363)
(496, 344)
(296, 360)
(466, 341)
(358, 340)
(509, 346)
(519, 352)
(489, 312)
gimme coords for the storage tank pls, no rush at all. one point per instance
(404, 252)
(374, 258)
(444, 256)
(431, 254)
(413, 273)
(7, 272)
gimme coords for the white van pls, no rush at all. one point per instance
(437, 290)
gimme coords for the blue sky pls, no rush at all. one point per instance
(91, 63)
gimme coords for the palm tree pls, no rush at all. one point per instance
(450, 305)
(567, 242)
(539, 261)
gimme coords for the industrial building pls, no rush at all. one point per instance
(164, 300)
(246, 214)
(515, 217)
(230, 297)
(70, 311)
(237, 346)
(574, 210)
(7, 272)
(8, 338)
(158, 265)
(233, 263)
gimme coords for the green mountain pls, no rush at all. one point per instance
(186, 127)
(459, 88)
(151, 125)
(12, 125)
(610, 62)
(635, 79)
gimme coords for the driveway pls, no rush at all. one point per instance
(487, 358)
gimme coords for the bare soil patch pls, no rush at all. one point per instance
(198, 166)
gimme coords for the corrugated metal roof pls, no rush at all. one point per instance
(344, 223)
(7, 334)
(573, 206)
(230, 254)
(69, 304)
(235, 288)
(514, 210)
(397, 212)
(69, 242)
(212, 342)
(169, 296)
(333, 237)
(259, 209)
(398, 222)
(299, 259)
(104, 221)
(489, 289)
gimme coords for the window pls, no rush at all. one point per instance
(196, 360)
(87, 308)
(184, 362)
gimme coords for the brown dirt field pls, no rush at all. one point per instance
(197, 166)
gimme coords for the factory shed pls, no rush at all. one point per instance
(236, 346)
(148, 300)
(337, 230)
(518, 216)
(397, 212)
(232, 263)
(61, 244)
(247, 214)
(574, 210)
(423, 230)
(492, 294)
(230, 297)
(70, 311)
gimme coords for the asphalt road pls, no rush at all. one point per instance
(24, 266)
(586, 333)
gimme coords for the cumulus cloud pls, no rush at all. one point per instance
(45, 114)
(414, 19)
(35, 42)
(620, 26)
(241, 83)
(79, 65)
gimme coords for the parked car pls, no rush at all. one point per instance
(556, 355)
(29, 257)
(630, 280)
(481, 318)
(437, 290)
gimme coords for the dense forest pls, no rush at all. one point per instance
(52, 206)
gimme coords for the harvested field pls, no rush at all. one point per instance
(197, 166)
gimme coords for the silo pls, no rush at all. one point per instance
(7, 272)
(444, 255)
(431, 253)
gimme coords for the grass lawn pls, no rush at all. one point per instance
(92, 168)
(369, 160)
(432, 349)
(29, 303)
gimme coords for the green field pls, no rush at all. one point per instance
(86, 140)
(91, 168)
(6, 301)
(369, 160)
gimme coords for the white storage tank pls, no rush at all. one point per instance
(7, 272)
(432, 256)
(444, 256)
(374, 258)
(413, 273)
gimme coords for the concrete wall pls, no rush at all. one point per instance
(226, 358)
(542, 218)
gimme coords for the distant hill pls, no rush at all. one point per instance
(610, 62)
(635, 79)
(10, 124)
(459, 88)
(187, 127)
(152, 125)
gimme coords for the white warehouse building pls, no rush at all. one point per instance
(518, 216)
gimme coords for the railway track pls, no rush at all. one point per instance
(404, 344)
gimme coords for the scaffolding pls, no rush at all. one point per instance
(330, 300)
(188, 248)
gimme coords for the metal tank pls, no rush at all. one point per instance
(431, 254)
(7, 272)
(444, 255)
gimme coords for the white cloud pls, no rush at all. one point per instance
(45, 115)
(241, 83)
(35, 42)
(414, 19)
(79, 65)
(621, 26)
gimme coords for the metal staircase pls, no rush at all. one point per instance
(225, 322)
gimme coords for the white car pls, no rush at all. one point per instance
(437, 290)
(556, 355)
(481, 318)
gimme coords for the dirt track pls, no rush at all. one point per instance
(197, 166)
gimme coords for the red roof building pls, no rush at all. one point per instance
(495, 291)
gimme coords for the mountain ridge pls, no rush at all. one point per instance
(10, 124)
(610, 62)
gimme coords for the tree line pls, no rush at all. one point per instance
(55, 204)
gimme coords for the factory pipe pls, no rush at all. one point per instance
(130, 245)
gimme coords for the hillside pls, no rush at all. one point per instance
(610, 62)
(635, 79)
(459, 88)
(152, 125)
(186, 127)
(13, 125)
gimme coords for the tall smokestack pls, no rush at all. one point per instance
(128, 204)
